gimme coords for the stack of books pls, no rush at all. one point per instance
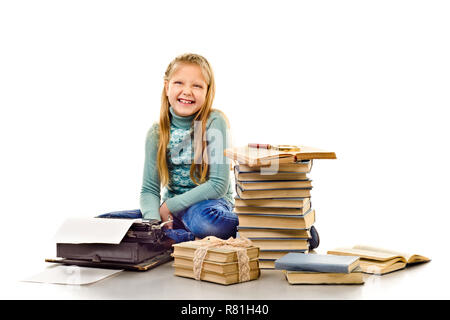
(220, 264)
(379, 260)
(273, 198)
(274, 208)
(320, 269)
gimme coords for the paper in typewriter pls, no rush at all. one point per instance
(93, 230)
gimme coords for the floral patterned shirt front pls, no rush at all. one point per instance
(179, 158)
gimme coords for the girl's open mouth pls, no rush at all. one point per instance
(184, 101)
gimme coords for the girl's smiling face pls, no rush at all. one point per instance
(186, 89)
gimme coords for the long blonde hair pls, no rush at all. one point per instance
(199, 167)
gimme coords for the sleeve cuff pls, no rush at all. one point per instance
(173, 206)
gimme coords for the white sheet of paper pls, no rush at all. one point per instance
(93, 230)
(62, 274)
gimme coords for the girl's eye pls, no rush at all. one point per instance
(198, 86)
(177, 82)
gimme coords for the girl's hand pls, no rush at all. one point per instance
(166, 215)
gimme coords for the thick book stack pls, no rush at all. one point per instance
(274, 208)
(320, 269)
(220, 265)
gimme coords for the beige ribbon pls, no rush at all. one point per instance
(240, 245)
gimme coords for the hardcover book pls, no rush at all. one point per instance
(259, 157)
(266, 263)
(273, 193)
(273, 233)
(259, 175)
(274, 211)
(378, 260)
(277, 221)
(272, 202)
(275, 184)
(300, 167)
(267, 258)
(212, 266)
(317, 263)
(187, 250)
(307, 277)
(221, 278)
(280, 243)
(274, 255)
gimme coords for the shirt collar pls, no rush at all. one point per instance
(179, 121)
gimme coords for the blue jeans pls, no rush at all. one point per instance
(205, 218)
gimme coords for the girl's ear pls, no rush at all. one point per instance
(166, 86)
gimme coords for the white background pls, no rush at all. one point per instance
(80, 84)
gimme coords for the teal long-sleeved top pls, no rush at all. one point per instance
(182, 192)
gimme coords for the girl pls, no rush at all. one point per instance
(184, 154)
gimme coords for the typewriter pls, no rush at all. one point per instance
(142, 248)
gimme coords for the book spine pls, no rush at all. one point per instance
(306, 266)
(294, 216)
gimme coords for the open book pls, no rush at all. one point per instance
(378, 260)
(260, 157)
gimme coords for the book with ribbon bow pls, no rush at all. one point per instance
(217, 260)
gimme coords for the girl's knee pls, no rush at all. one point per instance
(211, 218)
(222, 227)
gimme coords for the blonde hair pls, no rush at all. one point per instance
(199, 167)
